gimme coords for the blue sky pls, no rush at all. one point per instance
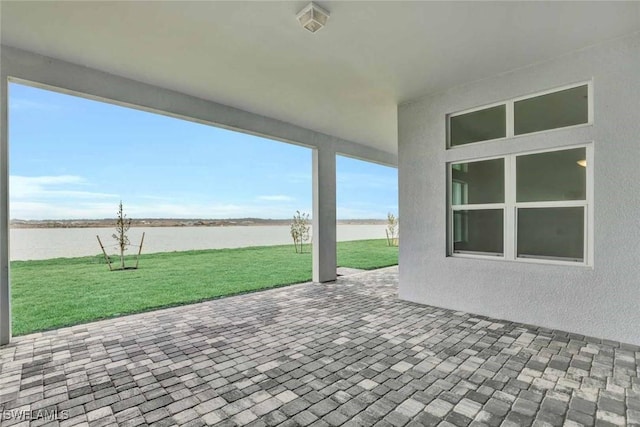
(75, 158)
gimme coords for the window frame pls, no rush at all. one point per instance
(510, 209)
(474, 206)
(509, 116)
(508, 113)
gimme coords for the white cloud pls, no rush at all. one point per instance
(79, 209)
(57, 196)
(207, 210)
(276, 198)
(62, 210)
(68, 197)
(36, 188)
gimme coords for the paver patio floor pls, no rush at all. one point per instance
(348, 353)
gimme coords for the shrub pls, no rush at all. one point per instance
(300, 231)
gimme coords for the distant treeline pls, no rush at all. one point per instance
(168, 222)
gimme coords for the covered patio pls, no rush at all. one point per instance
(345, 353)
(384, 82)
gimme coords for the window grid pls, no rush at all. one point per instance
(549, 260)
(510, 210)
(509, 117)
(471, 207)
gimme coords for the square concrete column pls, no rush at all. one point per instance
(324, 215)
(5, 291)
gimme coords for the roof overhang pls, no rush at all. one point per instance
(345, 81)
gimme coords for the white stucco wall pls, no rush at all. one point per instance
(602, 300)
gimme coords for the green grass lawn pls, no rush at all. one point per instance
(59, 292)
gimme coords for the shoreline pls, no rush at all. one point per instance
(45, 243)
(171, 222)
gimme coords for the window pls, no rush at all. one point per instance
(480, 125)
(551, 233)
(526, 207)
(551, 199)
(554, 110)
(479, 231)
(551, 176)
(558, 108)
(477, 200)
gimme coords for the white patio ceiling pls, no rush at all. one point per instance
(346, 80)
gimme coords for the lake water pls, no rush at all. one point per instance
(45, 243)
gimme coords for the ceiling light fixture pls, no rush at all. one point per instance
(582, 163)
(313, 17)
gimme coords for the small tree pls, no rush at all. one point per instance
(122, 226)
(392, 230)
(300, 230)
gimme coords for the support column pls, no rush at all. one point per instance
(324, 215)
(5, 290)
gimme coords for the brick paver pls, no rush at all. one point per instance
(348, 353)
